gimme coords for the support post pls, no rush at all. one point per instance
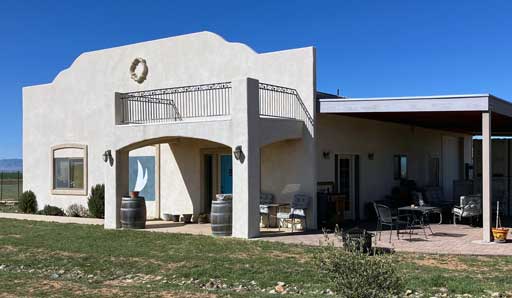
(246, 171)
(486, 176)
(116, 185)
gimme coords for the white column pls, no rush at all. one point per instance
(246, 171)
(486, 175)
(116, 185)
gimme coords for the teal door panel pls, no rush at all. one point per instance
(226, 174)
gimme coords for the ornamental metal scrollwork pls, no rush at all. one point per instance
(142, 77)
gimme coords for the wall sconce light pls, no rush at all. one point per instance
(107, 157)
(371, 156)
(326, 154)
(239, 154)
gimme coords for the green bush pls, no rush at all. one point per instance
(76, 210)
(51, 210)
(27, 202)
(96, 201)
(358, 274)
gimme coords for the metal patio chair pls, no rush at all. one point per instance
(470, 207)
(300, 203)
(385, 218)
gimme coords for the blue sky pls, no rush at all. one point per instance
(364, 48)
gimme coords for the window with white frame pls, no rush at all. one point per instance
(69, 169)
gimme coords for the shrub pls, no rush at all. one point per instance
(358, 274)
(51, 210)
(96, 201)
(76, 210)
(28, 202)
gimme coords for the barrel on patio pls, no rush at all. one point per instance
(221, 215)
(133, 213)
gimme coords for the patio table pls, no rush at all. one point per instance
(418, 214)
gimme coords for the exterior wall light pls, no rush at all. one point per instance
(107, 157)
(239, 154)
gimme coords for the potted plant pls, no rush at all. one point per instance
(186, 218)
(202, 218)
(166, 216)
(356, 239)
(499, 233)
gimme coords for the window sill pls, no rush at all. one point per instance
(69, 192)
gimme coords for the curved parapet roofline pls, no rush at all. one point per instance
(242, 46)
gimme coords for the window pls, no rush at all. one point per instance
(69, 173)
(69, 169)
(400, 167)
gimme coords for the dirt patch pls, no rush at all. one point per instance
(450, 263)
(170, 294)
(300, 257)
(8, 248)
(10, 236)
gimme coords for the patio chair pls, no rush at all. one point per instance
(300, 203)
(265, 199)
(384, 218)
(470, 207)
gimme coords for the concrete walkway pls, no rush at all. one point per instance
(446, 239)
(47, 218)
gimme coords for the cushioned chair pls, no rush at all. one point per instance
(470, 207)
(300, 203)
(265, 199)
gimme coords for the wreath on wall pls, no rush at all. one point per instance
(136, 77)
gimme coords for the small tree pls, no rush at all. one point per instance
(77, 210)
(355, 273)
(51, 210)
(28, 202)
(96, 201)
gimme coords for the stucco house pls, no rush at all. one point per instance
(179, 107)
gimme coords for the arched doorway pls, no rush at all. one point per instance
(180, 175)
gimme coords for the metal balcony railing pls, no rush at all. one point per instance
(283, 102)
(175, 104)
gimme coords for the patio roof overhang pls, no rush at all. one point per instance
(458, 113)
(475, 114)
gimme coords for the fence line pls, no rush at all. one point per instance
(11, 186)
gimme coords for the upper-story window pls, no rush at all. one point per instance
(69, 169)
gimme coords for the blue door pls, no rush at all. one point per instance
(226, 174)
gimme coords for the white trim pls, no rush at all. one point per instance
(74, 192)
(408, 104)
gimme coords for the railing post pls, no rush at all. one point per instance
(1, 186)
(18, 184)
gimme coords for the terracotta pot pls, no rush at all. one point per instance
(134, 194)
(186, 218)
(500, 235)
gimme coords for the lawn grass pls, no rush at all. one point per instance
(39, 259)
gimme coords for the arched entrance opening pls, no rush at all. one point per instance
(177, 175)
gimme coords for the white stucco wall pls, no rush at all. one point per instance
(350, 135)
(79, 106)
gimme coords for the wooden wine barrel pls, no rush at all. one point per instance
(221, 216)
(133, 213)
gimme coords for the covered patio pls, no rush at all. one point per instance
(474, 115)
